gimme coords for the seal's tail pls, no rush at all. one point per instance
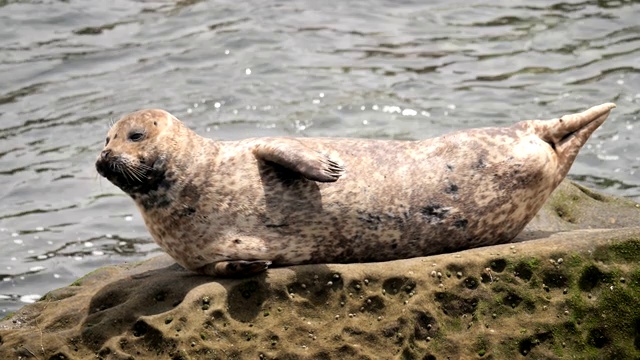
(568, 134)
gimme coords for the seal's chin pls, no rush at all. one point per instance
(134, 177)
(131, 178)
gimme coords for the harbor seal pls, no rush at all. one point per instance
(233, 208)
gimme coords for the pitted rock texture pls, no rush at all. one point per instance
(571, 293)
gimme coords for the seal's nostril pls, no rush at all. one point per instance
(105, 153)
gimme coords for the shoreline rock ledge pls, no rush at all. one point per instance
(568, 287)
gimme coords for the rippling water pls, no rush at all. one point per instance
(232, 69)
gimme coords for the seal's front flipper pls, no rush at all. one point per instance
(295, 156)
(235, 268)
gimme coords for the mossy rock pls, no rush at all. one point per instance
(569, 293)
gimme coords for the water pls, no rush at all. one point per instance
(233, 69)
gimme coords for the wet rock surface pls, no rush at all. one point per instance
(568, 287)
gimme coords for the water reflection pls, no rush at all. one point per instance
(375, 69)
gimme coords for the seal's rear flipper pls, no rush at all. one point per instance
(567, 134)
(572, 131)
(235, 268)
(293, 155)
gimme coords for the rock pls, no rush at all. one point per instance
(495, 306)
(572, 206)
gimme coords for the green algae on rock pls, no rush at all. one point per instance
(564, 295)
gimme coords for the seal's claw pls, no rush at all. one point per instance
(330, 171)
(334, 167)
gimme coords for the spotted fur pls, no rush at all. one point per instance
(217, 206)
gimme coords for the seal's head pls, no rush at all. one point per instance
(132, 158)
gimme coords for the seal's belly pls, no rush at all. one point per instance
(444, 199)
(455, 199)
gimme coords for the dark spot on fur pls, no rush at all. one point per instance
(276, 225)
(434, 213)
(237, 241)
(348, 253)
(190, 193)
(372, 220)
(155, 123)
(480, 164)
(461, 223)
(189, 211)
(166, 183)
(394, 246)
(155, 200)
(451, 189)
(449, 167)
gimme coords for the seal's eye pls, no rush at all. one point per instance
(106, 142)
(136, 136)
